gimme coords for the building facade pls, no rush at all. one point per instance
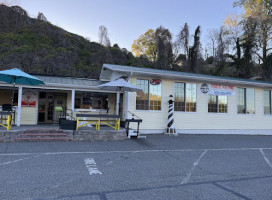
(202, 103)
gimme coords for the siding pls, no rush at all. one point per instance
(201, 120)
(29, 115)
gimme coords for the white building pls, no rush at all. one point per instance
(203, 103)
(230, 106)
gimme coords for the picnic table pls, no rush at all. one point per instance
(98, 119)
(5, 116)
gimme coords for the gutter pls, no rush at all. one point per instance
(248, 83)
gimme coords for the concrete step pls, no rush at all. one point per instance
(43, 131)
(42, 134)
(43, 139)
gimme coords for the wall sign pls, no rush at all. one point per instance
(155, 82)
(217, 89)
(29, 98)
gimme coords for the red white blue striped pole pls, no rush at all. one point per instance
(171, 130)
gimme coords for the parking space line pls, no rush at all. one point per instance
(265, 158)
(136, 151)
(91, 166)
(187, 178)
(6, 163)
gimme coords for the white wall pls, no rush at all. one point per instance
(201, 120)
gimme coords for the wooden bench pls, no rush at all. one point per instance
(100, 119)
(6, 119)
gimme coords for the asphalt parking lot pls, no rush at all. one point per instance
(158, 167)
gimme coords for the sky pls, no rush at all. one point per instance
(126, 20)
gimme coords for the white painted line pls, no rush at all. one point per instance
(265, 158)
(91, 166)
(137, 151)
(187, 178)
(6, 163)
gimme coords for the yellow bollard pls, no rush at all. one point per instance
(9, 123)
(99, 124)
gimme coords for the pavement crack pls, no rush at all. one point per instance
(231, 191)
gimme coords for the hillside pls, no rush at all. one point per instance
(38, 47)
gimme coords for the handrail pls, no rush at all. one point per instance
(133, 114)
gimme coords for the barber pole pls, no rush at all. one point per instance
(171, 130)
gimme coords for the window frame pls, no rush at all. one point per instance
(226, 113)
(135, 99)
(270, 91)
(185, 83)
(245, 94)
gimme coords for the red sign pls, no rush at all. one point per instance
(29, 98)
(155, 82)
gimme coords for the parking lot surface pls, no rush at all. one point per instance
(158, 167)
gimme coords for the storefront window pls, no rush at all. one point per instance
(155, 97)
(91, 100)
(267, 102)
(150, 97)
(217, 104)
(179, 104)
(185, 97)
(142, 100)
(246, 100)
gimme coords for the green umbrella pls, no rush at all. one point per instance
(16, 76)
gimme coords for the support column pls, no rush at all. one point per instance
(73, 103)
(126, 105)
(117, 103)
(20, 94)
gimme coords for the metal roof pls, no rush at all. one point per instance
(138, 71)
(67, 82)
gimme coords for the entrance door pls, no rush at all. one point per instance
(60, 102)
(46, 107)
(48, 101)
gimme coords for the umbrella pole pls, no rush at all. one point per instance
(12, 100)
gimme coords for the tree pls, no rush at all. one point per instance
(103, 36)
(41, 17)
(212, 37)
(194, 51)
(164, 49)
(182, 42)
(261, 12)
(145, 45)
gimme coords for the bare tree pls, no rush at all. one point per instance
(212, 34)
(41, 17)
(103, 36)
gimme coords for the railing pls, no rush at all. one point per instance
(133, 114)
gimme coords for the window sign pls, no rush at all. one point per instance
(217, 89)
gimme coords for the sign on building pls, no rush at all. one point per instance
(29, 98)
(217, 89)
